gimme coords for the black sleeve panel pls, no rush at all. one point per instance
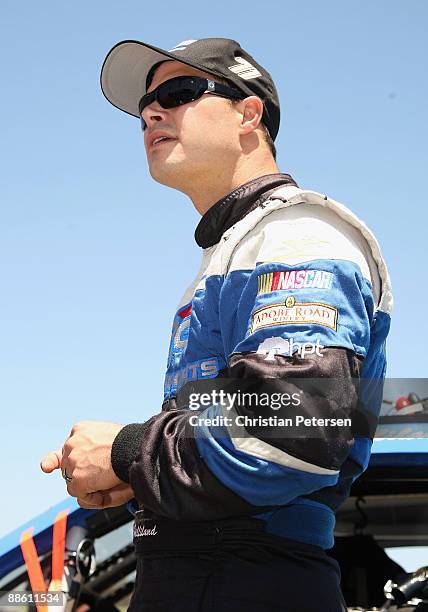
(170, 478)
(328, 388)
(166, 471)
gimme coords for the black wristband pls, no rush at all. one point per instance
(125, 448)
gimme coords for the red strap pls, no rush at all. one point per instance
(58, 548)
(32, 563)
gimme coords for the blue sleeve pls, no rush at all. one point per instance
(302, 328)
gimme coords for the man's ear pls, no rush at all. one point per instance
(252, 112)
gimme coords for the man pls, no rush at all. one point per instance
(292, 301)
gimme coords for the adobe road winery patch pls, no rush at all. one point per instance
(299, 313)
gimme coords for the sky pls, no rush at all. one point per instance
(86, 234)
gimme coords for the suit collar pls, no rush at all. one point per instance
(238, 203)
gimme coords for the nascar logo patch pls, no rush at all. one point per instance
(294, 279)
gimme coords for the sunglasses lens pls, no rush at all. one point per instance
(179, 91)
(172, 93)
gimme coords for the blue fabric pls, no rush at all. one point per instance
(256, 480)
(223, 322)
(303, 520)
(350, 293)
(260, 482)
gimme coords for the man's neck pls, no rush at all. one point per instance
(220, 186)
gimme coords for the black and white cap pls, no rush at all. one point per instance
(127, 72)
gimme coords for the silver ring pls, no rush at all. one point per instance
(66, 477)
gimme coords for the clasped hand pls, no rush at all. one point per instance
(85, 463)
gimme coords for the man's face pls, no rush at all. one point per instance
(205, 134)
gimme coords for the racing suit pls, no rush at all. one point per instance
(281, 267)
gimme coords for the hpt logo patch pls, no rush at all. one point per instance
(276, 345)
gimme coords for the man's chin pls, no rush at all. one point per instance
(159, 173)
(170, 175)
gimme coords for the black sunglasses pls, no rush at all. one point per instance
(184, 89)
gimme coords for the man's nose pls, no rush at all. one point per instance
(153, 113)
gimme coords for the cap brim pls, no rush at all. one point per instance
(125, 69)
